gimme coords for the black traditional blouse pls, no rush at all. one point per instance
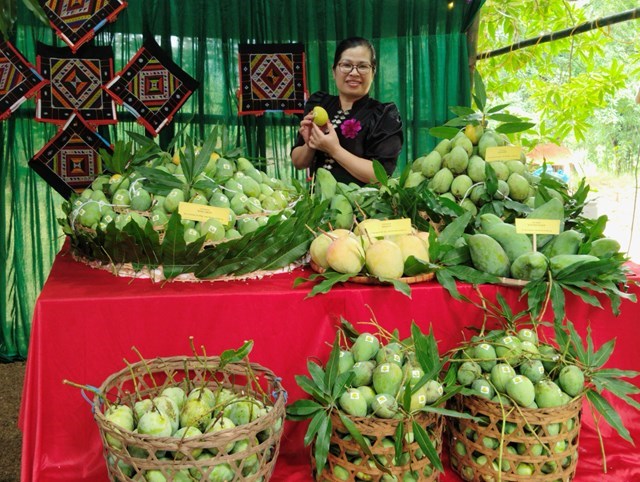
(370, 129)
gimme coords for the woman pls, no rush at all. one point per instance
(360, 128)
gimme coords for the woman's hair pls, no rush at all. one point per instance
(352, 42)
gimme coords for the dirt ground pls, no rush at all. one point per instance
(615, 197)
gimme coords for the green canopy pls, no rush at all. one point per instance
(423, 66)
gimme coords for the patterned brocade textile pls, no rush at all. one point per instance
(19, 80)
(77, 21)
(70, 161)
(272, 77)
(152, 87)
(75, 84)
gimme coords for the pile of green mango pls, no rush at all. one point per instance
(456, 169)
(496, 248)
(249, 194)
(512, 369)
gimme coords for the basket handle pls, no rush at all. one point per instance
(94, 390)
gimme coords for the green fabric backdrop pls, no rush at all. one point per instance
(423, 68)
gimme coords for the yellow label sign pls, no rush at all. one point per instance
(537, 226)
(198, 212)
(391, 227)
(504, 153)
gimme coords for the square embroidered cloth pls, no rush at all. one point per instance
(71, 160)
(19, 80)
(75, 84)
(272, 77)
(152, 87)
(77, 21)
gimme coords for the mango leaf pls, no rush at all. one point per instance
(479, 90)
(445, 412)
(462, 110)
(357, 436)
(331, 278)
(448, 282)
(414, 266)
(158, 181)
(397, 443)
(456, 122)
(316, 422)
(303, 409)
(471, 275)
(235, 356)
(455, 229)
(349, 330)
(619, 388)
(504, 118)
(616, 373)
(513, 127)
(322, 443)
(609, 414)
(342, 382)
(306, 384)
(443, 132)
(557, 302)
(380, 173)
(600, 357)
(577, 344)
(332, 364)
(583, 294)
(425, 443)
(497, 108)
(398, 285)
(426, 350)
(317, 375)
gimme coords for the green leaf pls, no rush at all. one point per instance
(425, 443)
(479, 90)
(426, 350)
(615, 373)
(620, 388)
(609, 414)
(398, 285)
(601, 356)
(235, 356)
(504, 118)
(330, 279)
(306, 384)
(317, 375)
(318, 420)
(443, 132)
(323, 438)
(513, 127)
(462, 110)
(577, 345)
(398, 443)
(333, 364)
(355, 433)
(303, 409)
(445, 412)
(158, 181)
(342, 382)
(454, 230)
(497, 108)
(380, 173)
(558, 302)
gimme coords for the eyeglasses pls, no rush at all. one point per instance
(347, 68)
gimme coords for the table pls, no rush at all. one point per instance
(86, 321)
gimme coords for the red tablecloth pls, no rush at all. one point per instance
(86, 321)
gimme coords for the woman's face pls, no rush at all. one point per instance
(356, 83)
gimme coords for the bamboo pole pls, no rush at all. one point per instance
(633, 14)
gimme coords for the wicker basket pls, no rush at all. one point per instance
(130, 455)
(347, 453)
(551, 454)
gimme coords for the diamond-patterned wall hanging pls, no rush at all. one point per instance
(71, 160)
(77, 21)
(272, 77)
(75, 84)
(152, 87)
(19, 80)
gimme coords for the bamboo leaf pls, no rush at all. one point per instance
(609, 414)
(424, 442)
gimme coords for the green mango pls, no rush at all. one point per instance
(561, 261)
(548, 394)
(529, 266)
(460, 186)
(487, 255)
(443, 147)
(353, 403)
(518, 186)
(552, 209)
(567, 242)
(488, 219)
(513, 243)
(431, 164)
(387, 378)
(441, 181)
(604, 248)
(365, 347)
(458, 160)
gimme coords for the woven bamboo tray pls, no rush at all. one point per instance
(368, 280)
(552, 453)
(130, 455)
(345, 452)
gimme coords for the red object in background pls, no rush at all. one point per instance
(87, 320)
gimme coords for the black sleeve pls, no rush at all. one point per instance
(385, 140)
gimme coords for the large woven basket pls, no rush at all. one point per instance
(130, 455)
(347, 453)
(541, 441)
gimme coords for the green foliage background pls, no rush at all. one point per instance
(580, 90)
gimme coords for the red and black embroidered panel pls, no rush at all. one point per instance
(71, 160)
(272, 77)
(19, 80)
(152, 87)
(75, 84)
(77, 21)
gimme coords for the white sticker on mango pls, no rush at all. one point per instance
(483, 389)
(355, 395)
(369, 338)
(384, 368)
(505, 369)
(415, 373)
(381, 398)
(422, 399)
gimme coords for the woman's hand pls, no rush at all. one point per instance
(324, 140)
(305, 127)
